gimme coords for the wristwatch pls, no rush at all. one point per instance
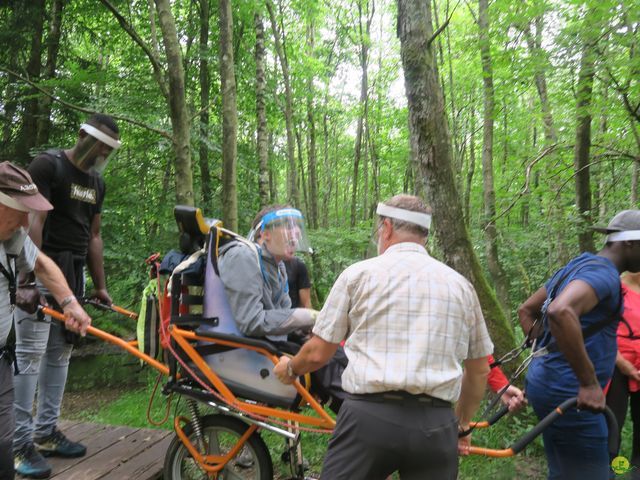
(290, 371)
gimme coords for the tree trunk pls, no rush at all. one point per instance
(303, 181)
(261, 114)
(431, 151)
(364, 31)
(535, 50)
(471, 169)
(29, 128)
(583, 145)
(311, 128)
(177, 104)
(203, 157)
(293, 193)
(498, 274)
(53, 45)
(229, 118)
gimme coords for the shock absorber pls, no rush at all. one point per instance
(195, 422)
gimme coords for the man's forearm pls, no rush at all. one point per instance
(95, 262)
(313, 355)
(51, 277)
(471, 394)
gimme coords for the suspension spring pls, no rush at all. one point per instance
(195, 421)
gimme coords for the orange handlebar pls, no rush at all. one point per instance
(107, 337)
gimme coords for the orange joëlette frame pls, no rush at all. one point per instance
(183, 338)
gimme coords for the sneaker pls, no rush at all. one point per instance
(56, 444)
(30, 463)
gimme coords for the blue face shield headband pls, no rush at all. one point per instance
(283, 216)
(283, 233)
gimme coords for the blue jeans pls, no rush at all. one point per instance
(576, 443)
(43, 360)
(6, 419)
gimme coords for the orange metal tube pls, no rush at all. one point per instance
(483, 424)
(205, 461)
(489, 452)
(124, 311)
(325, 420)
(107, 337)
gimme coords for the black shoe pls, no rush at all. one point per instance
(56, 444)
(29, 463)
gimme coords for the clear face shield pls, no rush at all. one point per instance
(283, 233)
(94, 150)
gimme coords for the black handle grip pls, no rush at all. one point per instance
(528, 437)
(498, 415)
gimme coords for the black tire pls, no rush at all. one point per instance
(179, 465)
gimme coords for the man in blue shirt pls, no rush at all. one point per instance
(577, 313)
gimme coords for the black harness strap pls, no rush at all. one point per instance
(590, 330)
(12, 277)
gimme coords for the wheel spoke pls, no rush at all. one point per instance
(214, 442)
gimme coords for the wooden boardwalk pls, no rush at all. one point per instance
(114, 453)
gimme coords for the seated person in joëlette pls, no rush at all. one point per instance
(255, 284)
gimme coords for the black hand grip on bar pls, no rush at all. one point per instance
(498, 415)
(526, 439)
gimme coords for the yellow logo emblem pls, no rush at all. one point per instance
(620, 465)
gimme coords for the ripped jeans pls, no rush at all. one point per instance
(43, 360)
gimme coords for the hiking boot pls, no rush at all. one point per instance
(56, 444)
(28, 462)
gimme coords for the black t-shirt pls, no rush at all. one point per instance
(298, 278)
(76, 197)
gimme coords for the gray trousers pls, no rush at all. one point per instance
(6, 420)
(43, 360)
(374, 439)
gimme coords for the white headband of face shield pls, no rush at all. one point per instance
(622, 236)
(421, 219)
(101, 136)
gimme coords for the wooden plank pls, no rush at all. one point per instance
(145, 466)
(104, 438)
(120, 452)
(80, 432)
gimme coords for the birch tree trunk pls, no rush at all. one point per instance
(431, 152)
(229, 118)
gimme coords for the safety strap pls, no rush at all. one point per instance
(632, 335)
(12, 278)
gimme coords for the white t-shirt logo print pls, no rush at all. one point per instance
(84, 194)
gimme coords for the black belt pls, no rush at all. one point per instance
(400, 396)
(8, 353)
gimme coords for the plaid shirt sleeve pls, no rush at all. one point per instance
(480, 344)
(332, 324)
